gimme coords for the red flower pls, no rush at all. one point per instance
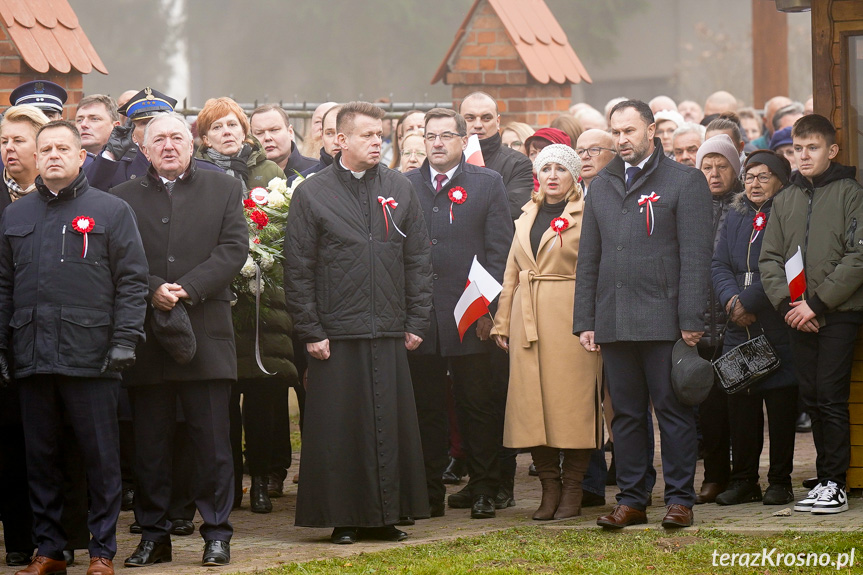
(457, 195)
(759, 221)
(256, 241)
(83, 224)
(249, 204)
(259, 218)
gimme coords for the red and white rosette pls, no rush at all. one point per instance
(758, 224)
(386, 205)
(647, 201)
(259, 196)
(457, 195)
(557, 226)
(83, 225)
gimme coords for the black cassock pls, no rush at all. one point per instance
(362, 462)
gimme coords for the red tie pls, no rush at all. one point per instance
(439, 180)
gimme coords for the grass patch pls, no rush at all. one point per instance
(537, 550)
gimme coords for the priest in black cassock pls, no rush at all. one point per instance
(358, 286)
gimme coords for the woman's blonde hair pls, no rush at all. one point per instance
(25, 114)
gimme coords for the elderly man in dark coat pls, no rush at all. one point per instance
(358, 285)
(196, 240)
(477, 226)
(72, 286)
(643, 268)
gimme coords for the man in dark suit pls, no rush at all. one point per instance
(72, 284)
(478, 226)
(643, 267)
(196, 241)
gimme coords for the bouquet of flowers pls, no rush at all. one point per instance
(266, 212)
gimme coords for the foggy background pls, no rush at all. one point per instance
(317, 50)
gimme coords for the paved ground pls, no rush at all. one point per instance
(263, 541)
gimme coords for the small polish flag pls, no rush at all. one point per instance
(481, 289)
(795, 275)
(473, 152)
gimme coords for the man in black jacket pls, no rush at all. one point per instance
(272, 126)
(477, 226)
(358, 286)
(196, 240)
(72, 285)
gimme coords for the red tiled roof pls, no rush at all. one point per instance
(48, 35)
(538, 38)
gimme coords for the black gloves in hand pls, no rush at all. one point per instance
(120, 141)
(5, 375)
(119, 358)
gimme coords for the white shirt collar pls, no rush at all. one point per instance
(640, 165)
(448, 174)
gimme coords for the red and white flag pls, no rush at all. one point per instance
(795, 275)
(473, 152)
(481, 289)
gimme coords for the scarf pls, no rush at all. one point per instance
(16, 192)
(235, 166)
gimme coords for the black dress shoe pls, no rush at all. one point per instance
(69, 556)
(128, 501)
(482, 508)
(259, 500)
(461, 499)
(454, 471)
(182, 527)
(504, 498)
(344, 535)
(437, 509)
(149, 553)
(18, 558)
(275, 485)
(385, 533)
(406, 521)
(589, 499)
(216, 553)
(135, 528)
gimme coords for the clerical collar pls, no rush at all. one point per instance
(357, 175)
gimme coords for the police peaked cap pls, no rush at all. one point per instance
(146, 104)
(45, 95)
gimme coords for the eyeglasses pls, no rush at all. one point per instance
(445, 137)
(592, 152)
(515, 144)
(763, 177)
(414, 153)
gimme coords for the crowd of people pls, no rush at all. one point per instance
(135, 376)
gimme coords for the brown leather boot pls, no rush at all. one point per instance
(547, 462)
(574, 467)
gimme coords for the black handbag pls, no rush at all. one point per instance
(742, 366)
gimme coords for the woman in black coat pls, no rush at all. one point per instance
(737, 284)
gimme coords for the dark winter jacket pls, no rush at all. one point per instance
(735, 272)
(825, 219)
(349, 273)
(61, 308)
(297, 162)
(480, 227)
(514, 167)
(714, 313)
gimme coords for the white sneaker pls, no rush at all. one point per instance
(831, 500)
(805, 504)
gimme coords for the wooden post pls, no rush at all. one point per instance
(769, 52)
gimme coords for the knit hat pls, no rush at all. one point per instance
(559, 154)
(777, 164)
(781, 138)
(669, 115)
(553, 135)
(719, 144)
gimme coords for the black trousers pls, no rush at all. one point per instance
(479, 417)
(640, 372)
(822, 364)
(90, 407)
(715, 431)
(206, 411)
(500, 375)
(14, 492)
(262, 400)
(746, 415)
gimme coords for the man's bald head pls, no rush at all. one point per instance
(719, 102)
(587, 143)
(660, 103)
(772, 106)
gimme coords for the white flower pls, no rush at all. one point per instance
(267, 261)
(276, 199)
(297, 181)
(248, 269)
(278, 185)
(253, 287)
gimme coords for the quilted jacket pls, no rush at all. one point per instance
(349, 272)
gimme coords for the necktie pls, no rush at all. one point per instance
(631, 172)
(170, 186)
(439, 180)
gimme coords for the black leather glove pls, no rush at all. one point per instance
(5, 375)
(120, 141)
(119, 358)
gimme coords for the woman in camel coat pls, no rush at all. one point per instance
(553, 402)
